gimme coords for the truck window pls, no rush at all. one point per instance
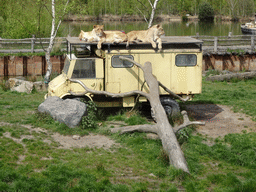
(183, 60)
(118, 63)
(84, 69)
(66, 66)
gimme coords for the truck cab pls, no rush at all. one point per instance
(178, 66)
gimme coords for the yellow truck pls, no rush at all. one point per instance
(178, 66)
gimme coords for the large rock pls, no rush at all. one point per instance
(19, 85)
(68, 111)
(40, 86)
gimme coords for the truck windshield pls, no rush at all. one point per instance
(66, 66)
(84, 68)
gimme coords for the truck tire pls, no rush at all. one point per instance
(171, 106)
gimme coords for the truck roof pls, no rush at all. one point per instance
(168, 42)
(165, 40)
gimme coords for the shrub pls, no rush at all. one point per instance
(206, 12)
(89, 120)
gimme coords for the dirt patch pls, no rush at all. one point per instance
(91, 141)
(220, 120)
(65, 142)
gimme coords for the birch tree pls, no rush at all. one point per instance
(54, 31)
(153, 10)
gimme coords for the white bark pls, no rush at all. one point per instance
(153, 7)
(152, 13)
(54, 31)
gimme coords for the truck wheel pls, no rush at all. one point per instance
(171, 106)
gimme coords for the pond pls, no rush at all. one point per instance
(177, 28)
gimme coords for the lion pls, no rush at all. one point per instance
(109, 36)
(151, 35)
(89, 36)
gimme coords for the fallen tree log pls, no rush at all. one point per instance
(162, 127)
(228, 77)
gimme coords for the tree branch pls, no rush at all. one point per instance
(160, 84)
(150, 4)
(142, 14)
(187, 122)
(136, 128)
(113, 95)
(146, 128)
(173, 94)
(57, 28)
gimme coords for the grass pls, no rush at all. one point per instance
(32, 160)
(238, 94)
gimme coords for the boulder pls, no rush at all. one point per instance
(19, 85)
(68, 111)
(40, 86)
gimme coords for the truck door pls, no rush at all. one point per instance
(90, 72)
(121, 76)
(186, 73)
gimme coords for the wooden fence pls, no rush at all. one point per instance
(31, 45)
(212, 44)
(233, 53)
(239, 44)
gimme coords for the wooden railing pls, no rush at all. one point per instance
(30, 45)
(212, 44)
(228, 44)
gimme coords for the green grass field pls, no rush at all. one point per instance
(29, 163)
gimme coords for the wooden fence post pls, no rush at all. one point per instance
(32, 43)
(252, 43)
(6, 71)
(215, 44)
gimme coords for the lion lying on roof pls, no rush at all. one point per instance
(152, 35)
(99, 35)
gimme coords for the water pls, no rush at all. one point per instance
(178, 28)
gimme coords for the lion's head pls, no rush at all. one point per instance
(98, 29)
(81, 35)
(160, 30)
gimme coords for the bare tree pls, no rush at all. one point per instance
(153, 7)
(162, 127)
(232, 5)
(54, 31)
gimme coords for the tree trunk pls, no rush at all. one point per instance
(228, 77)
(49, 49)
(152, 13)
(164, 128)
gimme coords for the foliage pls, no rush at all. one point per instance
(89, 120)
(24, 18)
(2, 85)
(206, 12)
(211, 72)
(236, 51)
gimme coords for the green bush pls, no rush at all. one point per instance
(89, 120)
(206, 12)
